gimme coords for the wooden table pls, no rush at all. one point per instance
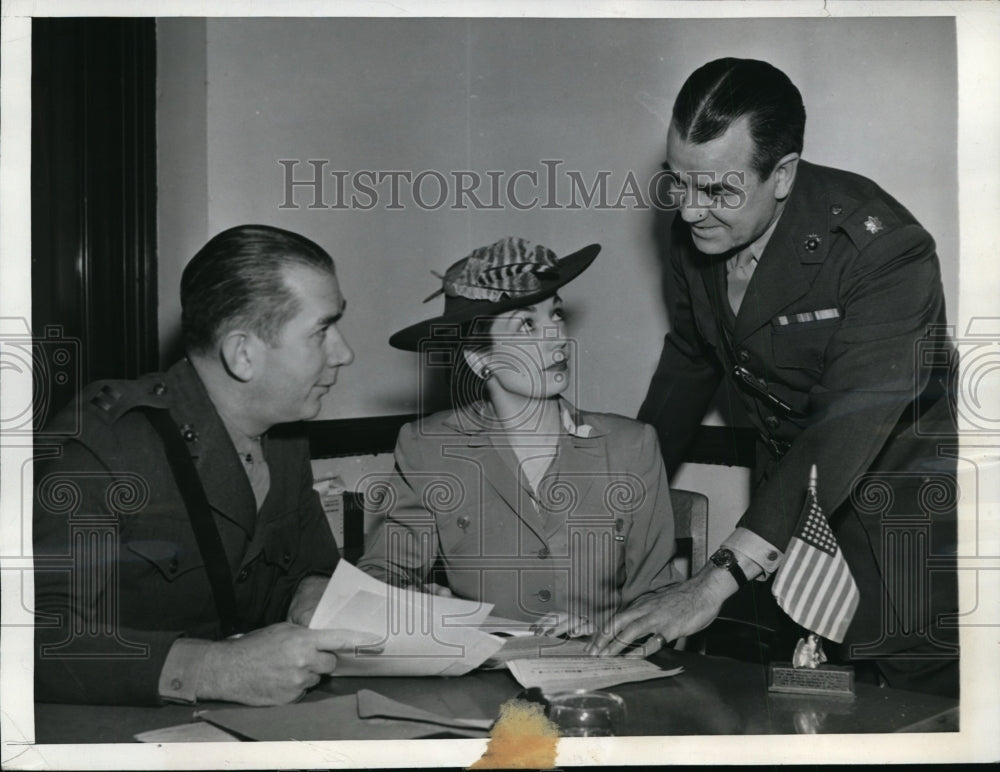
(714, 696)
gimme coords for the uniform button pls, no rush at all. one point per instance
(173, 565)
(836, 209)
(243, 575)
(463, 522)
(188, 433)
(544, 553)
(744, 356)
(286, 557)
(159, 389)
(176, 684)
(772, 555)
(772, 422)
(544, 596)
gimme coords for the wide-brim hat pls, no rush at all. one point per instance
(510, 273)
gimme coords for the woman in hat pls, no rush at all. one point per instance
(557, 516)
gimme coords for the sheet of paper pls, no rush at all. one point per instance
(503, 626)
(195, 732)
(558, 674)
(334, 718)
(421, 634)
(534, 646)
(374, 705)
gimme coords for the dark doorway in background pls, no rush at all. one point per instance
(93, 203)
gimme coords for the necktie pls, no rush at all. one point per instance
(740, 270)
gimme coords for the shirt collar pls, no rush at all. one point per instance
(756, 247)
(574, 429)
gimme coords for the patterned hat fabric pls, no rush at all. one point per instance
(506, 274)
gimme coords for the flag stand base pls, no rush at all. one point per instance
(827, 680)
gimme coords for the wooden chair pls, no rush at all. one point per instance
(690, 529)
(691, 533)
(745, 629)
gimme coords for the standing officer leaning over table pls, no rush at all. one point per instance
(817, 295)
(152, 616)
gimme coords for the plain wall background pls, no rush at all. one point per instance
(238, 95)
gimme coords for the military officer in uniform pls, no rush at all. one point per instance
(179, 547)
(818, 296)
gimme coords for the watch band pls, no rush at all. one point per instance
(724, 558)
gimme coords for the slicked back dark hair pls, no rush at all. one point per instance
(236, 281)
(720, 92)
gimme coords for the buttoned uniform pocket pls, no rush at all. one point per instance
(269, 574)
(802, 345)
(169, 558)
(161, 583)
(281, 545)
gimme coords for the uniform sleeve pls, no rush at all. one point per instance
(872, 373)
(651, 543)
(85, 652)
(686, 377)
(404, 540)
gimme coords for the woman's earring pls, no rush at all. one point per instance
(486, 374)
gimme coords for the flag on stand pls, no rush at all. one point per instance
(814, 585)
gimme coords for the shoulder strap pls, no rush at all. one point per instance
(200, 514)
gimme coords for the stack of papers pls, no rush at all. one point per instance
(422, 635)
(534, 646)
(552, 674)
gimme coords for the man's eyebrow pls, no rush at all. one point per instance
(326, 321)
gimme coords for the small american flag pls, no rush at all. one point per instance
(814, 585)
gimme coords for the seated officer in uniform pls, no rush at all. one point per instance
(179, 548)
(819, 297)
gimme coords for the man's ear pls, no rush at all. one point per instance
(784, 175)
(476, 360)
(238, 355)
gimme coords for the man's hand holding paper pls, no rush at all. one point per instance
(420, 634)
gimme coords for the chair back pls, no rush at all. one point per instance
(691, 527)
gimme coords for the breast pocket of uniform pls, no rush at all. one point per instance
(163, 547)
(800, 341)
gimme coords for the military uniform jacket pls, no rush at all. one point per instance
(119, 576)
(836, 323)
(597, 536)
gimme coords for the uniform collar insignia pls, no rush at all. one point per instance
(873, 224)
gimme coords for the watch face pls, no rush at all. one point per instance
(723, 558)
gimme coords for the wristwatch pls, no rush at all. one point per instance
(724, 558)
